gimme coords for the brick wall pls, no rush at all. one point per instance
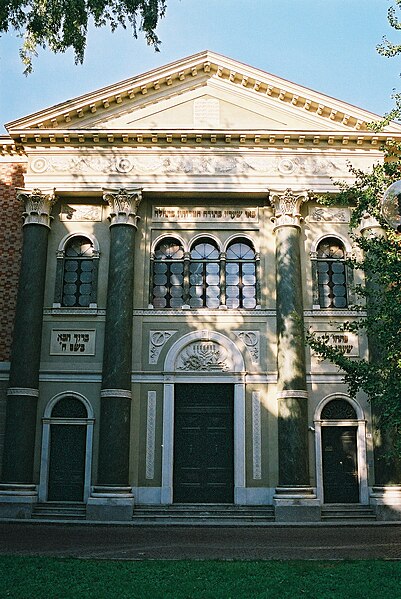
(11, 176)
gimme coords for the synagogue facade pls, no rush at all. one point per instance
(171, 252)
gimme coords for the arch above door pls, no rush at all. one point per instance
(203, 357)
(332, 414)
(57, 414)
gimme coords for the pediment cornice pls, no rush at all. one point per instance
(31, 138)
(188, 73)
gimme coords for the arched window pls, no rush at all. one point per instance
(204, 275)
(69, 407)
(241, 275)
(331, 273)
(76, 280)
(168, 274)
(338, 409)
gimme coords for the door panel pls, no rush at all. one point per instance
(67, 462)
(204, 444)
(340, 465)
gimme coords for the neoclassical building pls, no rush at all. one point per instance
(170, 255)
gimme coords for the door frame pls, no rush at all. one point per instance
(360, 424)
(235, 377)
(47, 422)
(226, 413)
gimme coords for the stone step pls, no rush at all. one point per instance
(347, 512)
(59, 511)
(203, 514)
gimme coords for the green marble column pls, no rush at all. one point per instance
(291, 372)
(23, 391)
(114, 442)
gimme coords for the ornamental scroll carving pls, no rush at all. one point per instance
(38, 204)
(329, 215)
(287, 207)
(187, 164)
(124, 204)
(251, 339)
(157, 340)
(204, 356)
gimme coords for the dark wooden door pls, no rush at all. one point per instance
(340, 464)
(204, 443)
(67, 462)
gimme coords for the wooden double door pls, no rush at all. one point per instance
(204, 443)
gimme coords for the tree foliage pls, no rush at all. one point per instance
(63, 24)
(387, 48)
(378, 313)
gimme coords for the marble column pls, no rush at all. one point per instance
(112, 497)
(23, 391)
(293, 491)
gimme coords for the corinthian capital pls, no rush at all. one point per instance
(124, 204)
(287, 207)
(38, 204)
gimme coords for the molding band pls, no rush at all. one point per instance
(110, 393)
(27, 391)
(293, 393)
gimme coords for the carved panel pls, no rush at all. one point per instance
(205, 356)
(80, 212)
(251, 339)
(329, 215)
(256, 436)
(192, 164)
(150, 435)
(157, 340)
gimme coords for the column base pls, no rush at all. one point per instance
(386, 501)
(17, 500)
(110, 504)
(296, 504)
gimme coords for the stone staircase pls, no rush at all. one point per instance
(55, 510)
(202, 515)
(347, 512)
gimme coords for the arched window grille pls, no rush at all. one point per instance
(69, 407)
(168, 274)
(338, 409)
(204, 278)
(77, 268)
(331, 274)
(241, 275)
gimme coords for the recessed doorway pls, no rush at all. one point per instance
(203, 443)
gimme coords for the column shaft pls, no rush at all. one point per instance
(292, 399)
(20, 428)
(117, 361)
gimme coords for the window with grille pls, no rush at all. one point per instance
(331, 273)
(168, 274)
(204, 277)
(241, 275)
(76, 279)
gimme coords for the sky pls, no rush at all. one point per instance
(326, 45)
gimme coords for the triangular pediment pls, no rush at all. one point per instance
(202, 92)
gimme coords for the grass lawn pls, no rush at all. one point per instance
(52, 578)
